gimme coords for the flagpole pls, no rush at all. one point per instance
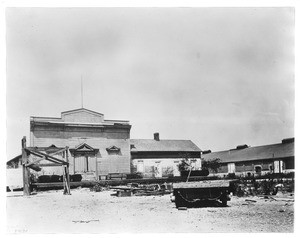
(81, 93)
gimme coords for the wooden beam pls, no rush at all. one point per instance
(66, 176)
(97, 173)
(68, 172)
(35, 167)
(34, 162)
(46, 157)
(50, 165)
(64, 180)
(26, 171)
(53, 158)
(41, 156)
(59, 151)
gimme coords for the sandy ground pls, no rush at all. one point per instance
(90, 212)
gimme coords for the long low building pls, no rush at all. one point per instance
(160, 158)
(257, 160)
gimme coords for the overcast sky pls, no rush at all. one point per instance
(217, 76)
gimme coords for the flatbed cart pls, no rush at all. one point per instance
(189, 194)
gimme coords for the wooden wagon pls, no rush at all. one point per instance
(187, 194)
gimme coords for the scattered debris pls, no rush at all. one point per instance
(268, 186)
(97, 188)
(126, 193)
(135, 189)
(87, 221)
(285, 199)
(250, 200)
(182, 208)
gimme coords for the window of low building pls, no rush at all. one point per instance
(257, 169)
(290, 164)
(278, 166)
(231, 168)
(140, 166)
(193, 164)
(167, 171)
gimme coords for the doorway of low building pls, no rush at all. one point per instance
(158, 169)
(257, 169)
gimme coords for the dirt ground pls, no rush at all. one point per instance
(99, 212)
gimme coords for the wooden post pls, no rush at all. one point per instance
(26, 171)
(97, 175)
(66, 175)
(74, 163)
(68, 172)
(64, 179)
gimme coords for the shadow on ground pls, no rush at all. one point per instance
(203, 204)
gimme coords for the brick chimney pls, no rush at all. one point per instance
(156, 136)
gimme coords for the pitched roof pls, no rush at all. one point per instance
(281, 150)
(81, 116)
(80, 110)
(139, 145)
(17, 158)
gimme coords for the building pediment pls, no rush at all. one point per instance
(113, 149)
(83, 149)
(82, 115)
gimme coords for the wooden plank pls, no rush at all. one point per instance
(35, 167)
(122, 193)
(61, 185)
(53, 158)
(49, 165)
(203, 184)
(41, 156)
(48, 157)
(34, 162)
(66, 175)
(127, 188)
(68, 171)
(64, 179)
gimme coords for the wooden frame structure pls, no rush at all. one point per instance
(33, 165)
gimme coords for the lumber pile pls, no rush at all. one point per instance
(134, 189)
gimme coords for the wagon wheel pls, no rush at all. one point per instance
(224, 199)
(179, 201)
(224, 202)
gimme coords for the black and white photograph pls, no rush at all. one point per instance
(150, 119)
